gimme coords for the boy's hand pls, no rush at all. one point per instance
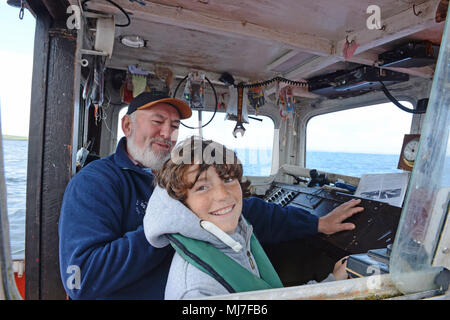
(339, 271)
(332, 222)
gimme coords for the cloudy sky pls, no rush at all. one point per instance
(16, 60)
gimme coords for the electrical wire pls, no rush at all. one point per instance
(267, 82)
(215, 96)
(240, 85)
(398, 104)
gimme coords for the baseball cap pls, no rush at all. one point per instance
(147, 100)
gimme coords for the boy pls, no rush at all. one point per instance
(196, 206)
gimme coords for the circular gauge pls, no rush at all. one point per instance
(410, 150)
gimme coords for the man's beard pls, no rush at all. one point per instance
(146, 156)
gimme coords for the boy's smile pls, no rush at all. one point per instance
(215, 199)
(223, 211)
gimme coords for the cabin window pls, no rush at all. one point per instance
(358, 141)
(16, 65)
(254, 149)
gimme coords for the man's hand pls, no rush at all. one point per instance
(332, 222)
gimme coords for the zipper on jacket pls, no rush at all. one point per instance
(250, 260)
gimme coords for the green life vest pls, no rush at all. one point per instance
(233, 276)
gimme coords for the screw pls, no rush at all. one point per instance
(445, 250)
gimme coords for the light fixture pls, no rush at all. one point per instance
(133, 41)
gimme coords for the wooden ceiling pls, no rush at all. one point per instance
(259, 39)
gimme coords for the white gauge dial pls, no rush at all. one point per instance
(410, 150)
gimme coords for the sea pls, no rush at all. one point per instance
(255, 163)
(15, 155)
(258, 162)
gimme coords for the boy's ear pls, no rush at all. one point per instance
(126, 125)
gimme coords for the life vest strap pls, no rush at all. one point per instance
(229, 273)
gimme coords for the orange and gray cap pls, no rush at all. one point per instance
(147, 100)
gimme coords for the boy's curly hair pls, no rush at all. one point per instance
(205, 153)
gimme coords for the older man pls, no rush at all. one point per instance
(103, 250)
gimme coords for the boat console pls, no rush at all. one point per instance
(375, 226)
(315, 256)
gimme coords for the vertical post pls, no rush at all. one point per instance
(49, 154)
(35, 151)
(421, 223)
(76, 94)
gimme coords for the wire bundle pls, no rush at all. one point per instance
(267, 82)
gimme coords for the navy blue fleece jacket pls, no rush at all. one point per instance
(102, 246)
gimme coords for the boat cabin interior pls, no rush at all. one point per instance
(249, 62)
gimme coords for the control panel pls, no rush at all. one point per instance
(280, 196)
(375, 226)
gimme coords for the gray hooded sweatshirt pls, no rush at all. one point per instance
(166, 215)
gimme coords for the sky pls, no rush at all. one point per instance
(16, 64)
(378, 128)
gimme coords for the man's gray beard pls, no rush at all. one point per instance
(146, 156)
